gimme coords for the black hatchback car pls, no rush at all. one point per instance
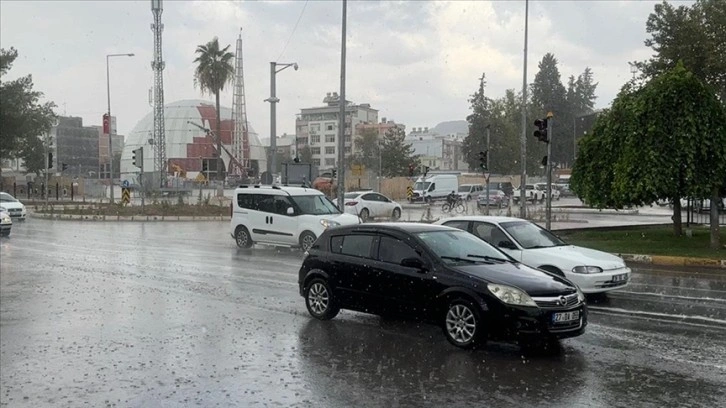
(440, 274)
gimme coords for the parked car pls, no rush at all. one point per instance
(15, 208)
(442, 275)
(6, 223)
(503, 186)
(532, 194)
(496, 198)
(434, 187)
(369, 204)
(283, 216)
(593, 271)
(565, 190)
(471, 191)
(555, 190)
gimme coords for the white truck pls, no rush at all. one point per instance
(435, 187)
(532, 194)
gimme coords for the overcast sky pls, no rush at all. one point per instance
(417, 62)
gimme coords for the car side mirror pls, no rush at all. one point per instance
(413, 263)
(290, 211)
(507, 245)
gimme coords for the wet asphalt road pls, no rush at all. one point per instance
(172, 314)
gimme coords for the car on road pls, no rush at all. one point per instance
(369, 204)
(496, 198)
(439, 274)
(470, 191)
(6, 223)
(14, 207)
(532, 194)
(555, 190)
(282, 216)
(593, 271)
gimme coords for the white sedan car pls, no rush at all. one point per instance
(369, 204)
(593, 271)
(15, 208)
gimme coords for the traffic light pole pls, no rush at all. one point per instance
(488, 171)
(548, 223)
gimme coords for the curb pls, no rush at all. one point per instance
(136, 218)
(673, 260)
(681, 318)
(593, 211)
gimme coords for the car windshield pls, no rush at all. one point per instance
(7, 198)
(351, 195)
(421, 185)
(461, 246)
(315, 205)
(530, 235)
(464, 189)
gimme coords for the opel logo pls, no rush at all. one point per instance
(562, 300)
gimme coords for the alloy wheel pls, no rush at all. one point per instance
(461, 323)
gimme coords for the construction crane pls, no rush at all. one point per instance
(235, 163)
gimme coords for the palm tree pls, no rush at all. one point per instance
(214, 70)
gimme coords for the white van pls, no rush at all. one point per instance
(284, 216)
(435, 187)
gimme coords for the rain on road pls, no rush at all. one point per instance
(169, 314)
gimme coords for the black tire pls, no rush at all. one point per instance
(5, 234)
(446, 208)
(463, 326)
(307, 239)
(364, 214)
(319, 300)
(242, 237)
(396, 214)
(460, 208)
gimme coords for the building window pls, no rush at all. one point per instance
(330, 162)
(315, 127)
(315, 150)
(314, 138)
(329, 138)
(347, 150)
(302, 140)
(330, 126)
(329, 149)
(347, 139)
(316, 162)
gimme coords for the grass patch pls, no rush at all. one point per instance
(165, 209)
(648, 241)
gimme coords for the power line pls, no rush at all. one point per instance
(293, 30)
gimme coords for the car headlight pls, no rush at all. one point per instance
(6, 219)
(587, 269)
(329, 223)
(511, 295)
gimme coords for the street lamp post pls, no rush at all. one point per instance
(110, 140)
(273, 99)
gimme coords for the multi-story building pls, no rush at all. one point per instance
(318, 128)
(381, 128)
(438, 152)
(77, 146)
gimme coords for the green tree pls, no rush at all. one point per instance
(23, 118)
(695, 35)
(367, 149)
(214, 70)
(396, 154)
(666, 140)
(306, 155)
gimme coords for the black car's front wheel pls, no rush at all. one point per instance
(319, 300)
(463, 324)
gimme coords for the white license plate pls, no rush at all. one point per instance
(620, 278)
(565, 316)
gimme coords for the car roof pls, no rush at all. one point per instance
(486, 218)
(411, 227)
(277, 190)
(362, 192)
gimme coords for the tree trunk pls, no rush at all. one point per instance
(677, 225)
(218, 133)
(715, 199)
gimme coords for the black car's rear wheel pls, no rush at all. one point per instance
(462, 324)
(319, 300)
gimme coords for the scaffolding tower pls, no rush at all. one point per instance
(240, 137)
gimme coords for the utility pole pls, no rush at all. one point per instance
(273, 118)
(341, 119)
(488, 171)
(523, 158)
(550, 120)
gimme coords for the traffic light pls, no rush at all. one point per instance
(411, 169)
(138, 157)
(296, 159)
(335, 173)
(541, 132)
(483, 159)
(426, 170)
(64, 167)
(544, 161)
(50, 160)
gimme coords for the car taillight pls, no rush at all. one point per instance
(351, 203)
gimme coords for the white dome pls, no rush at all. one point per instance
(180, 138)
